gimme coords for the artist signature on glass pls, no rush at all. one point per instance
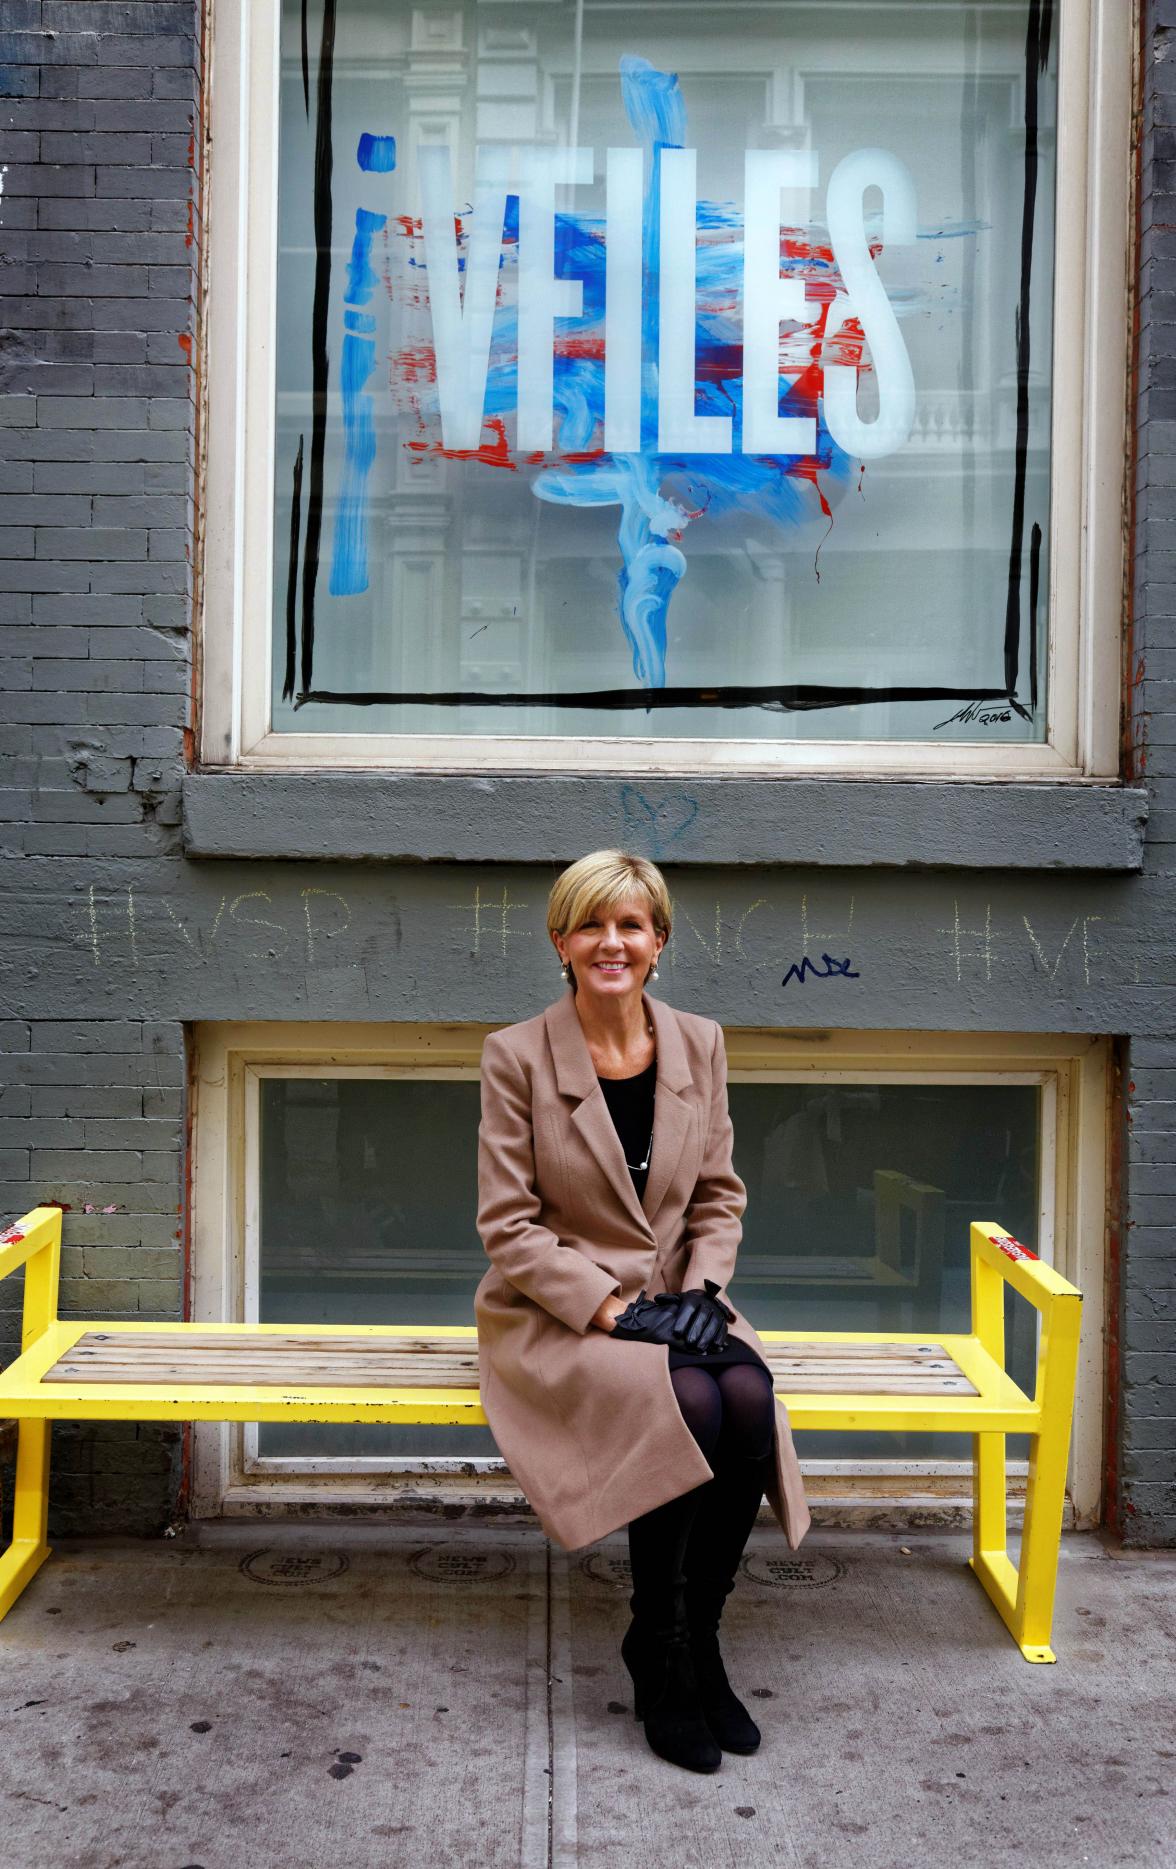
(980, 714)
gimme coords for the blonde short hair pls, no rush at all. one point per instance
(602, 880)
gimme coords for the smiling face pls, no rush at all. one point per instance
(611, 953)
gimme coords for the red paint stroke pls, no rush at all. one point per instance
(847, 346)
(417, 363)
(572, 457)
(494, 453)
(11, 1237)
(798, 245)
(589, 347)
(808, 470)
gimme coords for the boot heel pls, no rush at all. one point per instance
(665, 1698)
(725, 1715)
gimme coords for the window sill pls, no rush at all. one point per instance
(812, 823)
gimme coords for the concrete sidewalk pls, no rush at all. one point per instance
(304, 1697)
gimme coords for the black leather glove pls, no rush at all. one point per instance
(702, 1319)
(648, 1320)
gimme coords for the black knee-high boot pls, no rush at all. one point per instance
(718, 1535)
(656, 1647)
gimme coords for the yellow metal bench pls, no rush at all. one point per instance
(902, 1381)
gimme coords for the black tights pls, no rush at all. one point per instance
(699, 1537)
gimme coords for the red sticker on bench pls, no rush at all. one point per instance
(12, 1237)
(1011, 1248)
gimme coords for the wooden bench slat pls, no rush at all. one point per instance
(234, 1337)
(304, 1359)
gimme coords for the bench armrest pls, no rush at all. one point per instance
(992, 1245)
(35, 1243)
(999, 1260)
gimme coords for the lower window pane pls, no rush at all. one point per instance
(368, 1197)
(859, 1202)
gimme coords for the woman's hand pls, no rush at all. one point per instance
(608, 1311)
(703, 1318)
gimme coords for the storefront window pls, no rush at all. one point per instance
(664, 372)
(860, 1197)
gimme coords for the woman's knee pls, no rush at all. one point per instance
(749, 1410)
(701, 1404)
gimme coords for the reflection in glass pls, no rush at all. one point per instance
(859, 1202)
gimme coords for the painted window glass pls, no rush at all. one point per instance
(664, 371)
(859, 1202)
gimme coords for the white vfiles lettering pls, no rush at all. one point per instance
(542, 297)
(463, 319)
(624, 171)
(680, 430)
(769, 299)
(866, 301)
(462, 322)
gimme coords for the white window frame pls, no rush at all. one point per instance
(231, 1060)
(1088, 441)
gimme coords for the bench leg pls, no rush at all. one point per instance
(989, 1496)
(28, 1550)
(1024, 1594)
(990, 1556)
(1041, 1540)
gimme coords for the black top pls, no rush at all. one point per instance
(630, 1104)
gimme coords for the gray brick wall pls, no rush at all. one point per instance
(100, 233)
(1144, 1451)
(92, 1117)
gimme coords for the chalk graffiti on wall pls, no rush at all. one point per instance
(319, 928)
(674, 358)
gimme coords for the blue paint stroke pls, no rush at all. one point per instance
(660, 495)
(376, 154)
(361, 280)
(643, 485)
(349, 553)
(349, 542)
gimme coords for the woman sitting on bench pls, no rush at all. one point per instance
(620, 1387)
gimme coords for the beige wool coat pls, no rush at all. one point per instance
(590, 1426)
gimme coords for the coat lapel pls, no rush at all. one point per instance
(672, 1115)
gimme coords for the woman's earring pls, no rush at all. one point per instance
(653, 973)
(567, 974)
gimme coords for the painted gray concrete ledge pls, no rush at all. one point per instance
(834, 823)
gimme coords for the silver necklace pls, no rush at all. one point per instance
(638, 1166)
